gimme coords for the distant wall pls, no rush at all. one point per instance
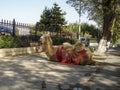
(17, 51)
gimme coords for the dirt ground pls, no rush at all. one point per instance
(27, 72)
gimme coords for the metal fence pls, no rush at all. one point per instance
(24, 29)
(11, 27)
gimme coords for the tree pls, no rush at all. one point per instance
(32, 30)
(116, 34)
(86, 28)
(58, 19)
(104, 12)
(45, 21)
(52, 19)
(72, 29)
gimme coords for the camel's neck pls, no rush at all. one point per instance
(48, 49)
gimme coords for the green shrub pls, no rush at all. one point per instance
(7, 41)
(25, 41)
(60, 40)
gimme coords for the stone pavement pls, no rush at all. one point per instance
(107, 76)
(28, 72)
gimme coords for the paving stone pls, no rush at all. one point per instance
(27, 72)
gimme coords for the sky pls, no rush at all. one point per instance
(29, 11)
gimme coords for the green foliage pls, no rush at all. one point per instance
(60, 40)
(32, 30)
(25, 41)
(116, 36)
(58, 19)
(91, 29)
(72, 27)
(87, 30)
(95, 8)
(44, 23)
(104, 12)
(9, 42)
(51, 20)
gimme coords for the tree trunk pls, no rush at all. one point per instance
(108, 26)
(102, 47)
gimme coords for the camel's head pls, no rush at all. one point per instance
(47, 46)
(46, 40)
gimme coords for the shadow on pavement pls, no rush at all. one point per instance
(27, 73)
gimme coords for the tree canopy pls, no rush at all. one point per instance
(103, 12)
(52, 19)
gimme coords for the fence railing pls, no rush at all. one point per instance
(13, 25)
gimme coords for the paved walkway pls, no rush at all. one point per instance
(29, 71)
(107, 76)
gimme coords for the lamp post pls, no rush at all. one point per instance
(78, 8)
(79, 11)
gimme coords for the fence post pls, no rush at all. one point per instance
(36, 29)
(13, 27)
(2, 22)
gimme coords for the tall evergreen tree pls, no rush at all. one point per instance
(58, 19)
(52, 19)
(45, 21)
